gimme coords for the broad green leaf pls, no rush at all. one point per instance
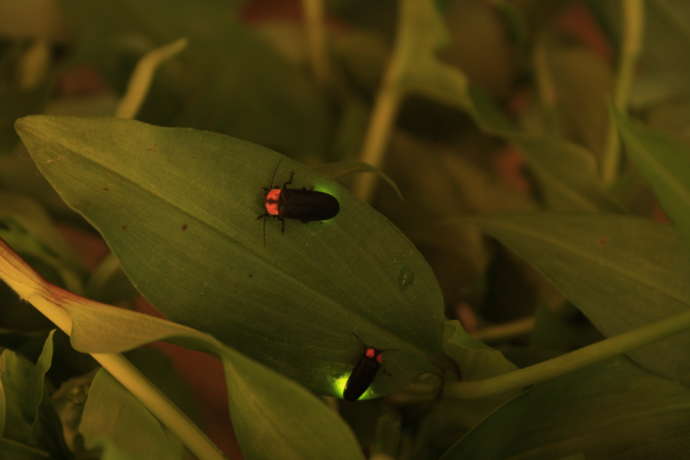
(622, 272)
(561, 329)
(272, 415)
(36, 221)
(227, 80)
(23, 387)
(114, 417)
(179, 207)
(665, 163)
(568, 175)
(611, 410)
(439, 184)
(566, 171)
(18, 174)
(475, 361)
(26, 226)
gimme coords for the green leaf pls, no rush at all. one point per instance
(567, 175)
(665, 163)
(475, 361)
(33, 217)
(179, 209)
(23, 388)
(622, 272)
(20, 175)
(27, 227)
(611, 410)
(272, 415)
(114, 417)
(567, 172)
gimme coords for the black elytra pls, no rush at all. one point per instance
(363, 374)
(281, 202)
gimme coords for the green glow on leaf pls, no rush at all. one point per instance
(325, 188)
(339, 388)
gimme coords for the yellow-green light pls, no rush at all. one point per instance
(339, 384)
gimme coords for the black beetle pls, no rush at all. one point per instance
(303, 204)
(364, 373)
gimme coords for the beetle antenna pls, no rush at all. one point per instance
(275, 171)
(359, 339)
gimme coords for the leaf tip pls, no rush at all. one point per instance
(28, 124)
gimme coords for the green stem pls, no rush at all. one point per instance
(633, 21)
(163, 408)
(316, 38)
(569, 362)
(387, 104)
(34, 64)
(106, 269)
(140, 81)
(506, 330)
(380, 127)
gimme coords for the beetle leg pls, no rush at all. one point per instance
(282, 225)
(289, 182)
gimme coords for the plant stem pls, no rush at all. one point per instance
(106, 269)
(569, 362)
(140, 81)
(388, 100)
(155, 401)
(34, 64)
(506, 330)
(380, 126)
(316, 38)
(46, 299)
(631, 43)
